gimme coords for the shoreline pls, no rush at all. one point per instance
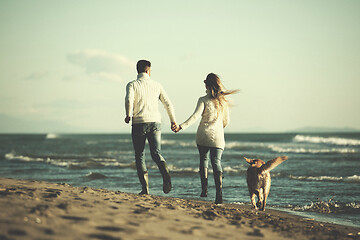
(37, 210)
(318, 217)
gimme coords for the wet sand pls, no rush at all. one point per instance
(40, 210)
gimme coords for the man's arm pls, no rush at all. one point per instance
(165, 100)
(129, 102)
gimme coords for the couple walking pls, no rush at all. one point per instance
(141, 106)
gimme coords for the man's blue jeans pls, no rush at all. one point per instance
(215, 157)
(151, 132)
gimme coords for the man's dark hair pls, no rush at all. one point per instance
(143, 66)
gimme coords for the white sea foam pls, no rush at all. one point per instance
(94, 176)
(310, 150)
(51, 136)
(186, 169)
(329, 140)
(317, 178)
(58, 163)
(120, 165)
(227, 169)
(231, 145)
(179, 143)
(353, 178)
(230, 169)
(329, 207)
(243, 145)
(13, 156)
(55, 162)
(102, 141)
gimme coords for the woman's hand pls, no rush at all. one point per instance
(175, 127)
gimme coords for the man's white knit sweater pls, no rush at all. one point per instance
(142, 100)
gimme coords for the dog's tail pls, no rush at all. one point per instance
(248, 160)
(252, 161)
(270, 165)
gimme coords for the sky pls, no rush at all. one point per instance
(64, 65)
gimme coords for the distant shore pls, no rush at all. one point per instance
(40, 210)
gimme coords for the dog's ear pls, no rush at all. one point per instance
(273, 163)
(249, 161)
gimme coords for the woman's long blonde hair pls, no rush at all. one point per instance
(217, 91)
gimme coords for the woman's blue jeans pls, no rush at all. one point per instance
(215, 157)
(152, 132)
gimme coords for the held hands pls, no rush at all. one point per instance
(175, 127)
(127, 119)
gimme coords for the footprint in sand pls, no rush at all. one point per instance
(134, 224)
(141, 210)
(170, 206)
(209, 215)
(103, 236)
(52, 190)
(49, 231)
(63, 206)
(3, 237)
(110, 229)
(80, 199)
(52, 193)
(115, 229)
(75, 218)
(255, 233)
(39, 209)
(17, 232)
(190, 230)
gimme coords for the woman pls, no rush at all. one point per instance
(214, 111)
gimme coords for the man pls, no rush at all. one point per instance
(141, 106)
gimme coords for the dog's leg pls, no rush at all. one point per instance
(253, 203)
(264, 202)
(266, 191)
(260, 195)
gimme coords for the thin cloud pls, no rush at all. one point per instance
(103, 65)
(37, 76)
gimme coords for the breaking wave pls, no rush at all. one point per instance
(354, 178)
(184, 170)
(327, 140)
(72, 163)
(109, 162)
(330, 207)
(309, 150)
(51, 136)
(244, 145)
(178, 143)
(94, 176)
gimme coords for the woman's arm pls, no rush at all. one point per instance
(226, 116)
(196, 115)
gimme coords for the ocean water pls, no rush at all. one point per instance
(321, 178)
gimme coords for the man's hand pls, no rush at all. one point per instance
(127, 119)
(175, 127)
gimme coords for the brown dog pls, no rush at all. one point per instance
(259, 180)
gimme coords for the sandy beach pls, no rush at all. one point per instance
(41, 210)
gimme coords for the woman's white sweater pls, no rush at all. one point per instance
(210, 132)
